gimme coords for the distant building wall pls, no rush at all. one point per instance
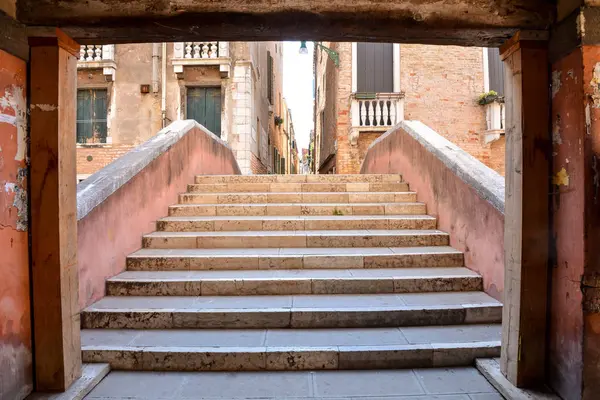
(441, 86)
(247, 117)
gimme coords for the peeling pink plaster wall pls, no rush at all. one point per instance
(15, 313)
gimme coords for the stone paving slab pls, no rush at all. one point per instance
(431, 384)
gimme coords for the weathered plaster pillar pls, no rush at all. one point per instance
(574, 326)
(526, 234)
(53, 86)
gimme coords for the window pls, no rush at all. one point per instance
(204, 105)
(269, 77)
(91, 116)
(496, 71)
(375, 64)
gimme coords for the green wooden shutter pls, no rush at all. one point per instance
(204, 106)
(84, 116)
(92, 109)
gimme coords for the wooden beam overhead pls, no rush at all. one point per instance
(477, 22)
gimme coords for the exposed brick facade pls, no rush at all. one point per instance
(441, 86)
(91, 158)
(257, 166)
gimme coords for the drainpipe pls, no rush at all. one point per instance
(163, 102)
(155, 55)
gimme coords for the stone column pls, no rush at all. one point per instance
(53, 86)
(526, 234)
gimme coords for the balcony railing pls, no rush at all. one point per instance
(381, 110)
(95, 56)
(201, 53)
(201, 50)
(96, 52)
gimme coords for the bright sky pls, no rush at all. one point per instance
(298, 89)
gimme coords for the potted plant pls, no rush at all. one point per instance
(278, 120)
(489, 97)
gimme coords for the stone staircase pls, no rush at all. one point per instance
(293, 272)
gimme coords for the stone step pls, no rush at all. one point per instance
(294, 258)
(306, 198)
(298, 187)
(297, 209)
(293, 239)
(280, 282)
(293, 311)
(290, 349)
(442, 383)
(298, 178)
(294, 223)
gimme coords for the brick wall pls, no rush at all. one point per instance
(91, 159)
(441, 86)
(257, 166)
(496, 161)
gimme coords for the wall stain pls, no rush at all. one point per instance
(561, 178)
(595, 84)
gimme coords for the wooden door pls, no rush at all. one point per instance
(204, 106)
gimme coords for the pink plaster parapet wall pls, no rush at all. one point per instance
(121, 202)
(466, 196)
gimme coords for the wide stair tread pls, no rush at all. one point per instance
(294, 258)
(273, 282)
(297, 197)
(381, 208)
(300, 187)
(301, 238)
(290, 349)
(298, 222)
(341, 178)
(292, 311)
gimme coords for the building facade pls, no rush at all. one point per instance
(457, 91)
(128, 92)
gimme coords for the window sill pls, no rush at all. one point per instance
(93, 145)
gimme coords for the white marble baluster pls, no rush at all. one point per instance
(378, 113)
(82, 53)
(90, 53)
(372, 120)
(393, 116)
(188, 50)
(197, 50)
(214, 50)
(98, 52)
(385, 113)
(204, 50)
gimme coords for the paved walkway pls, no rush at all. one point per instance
(417, 384)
